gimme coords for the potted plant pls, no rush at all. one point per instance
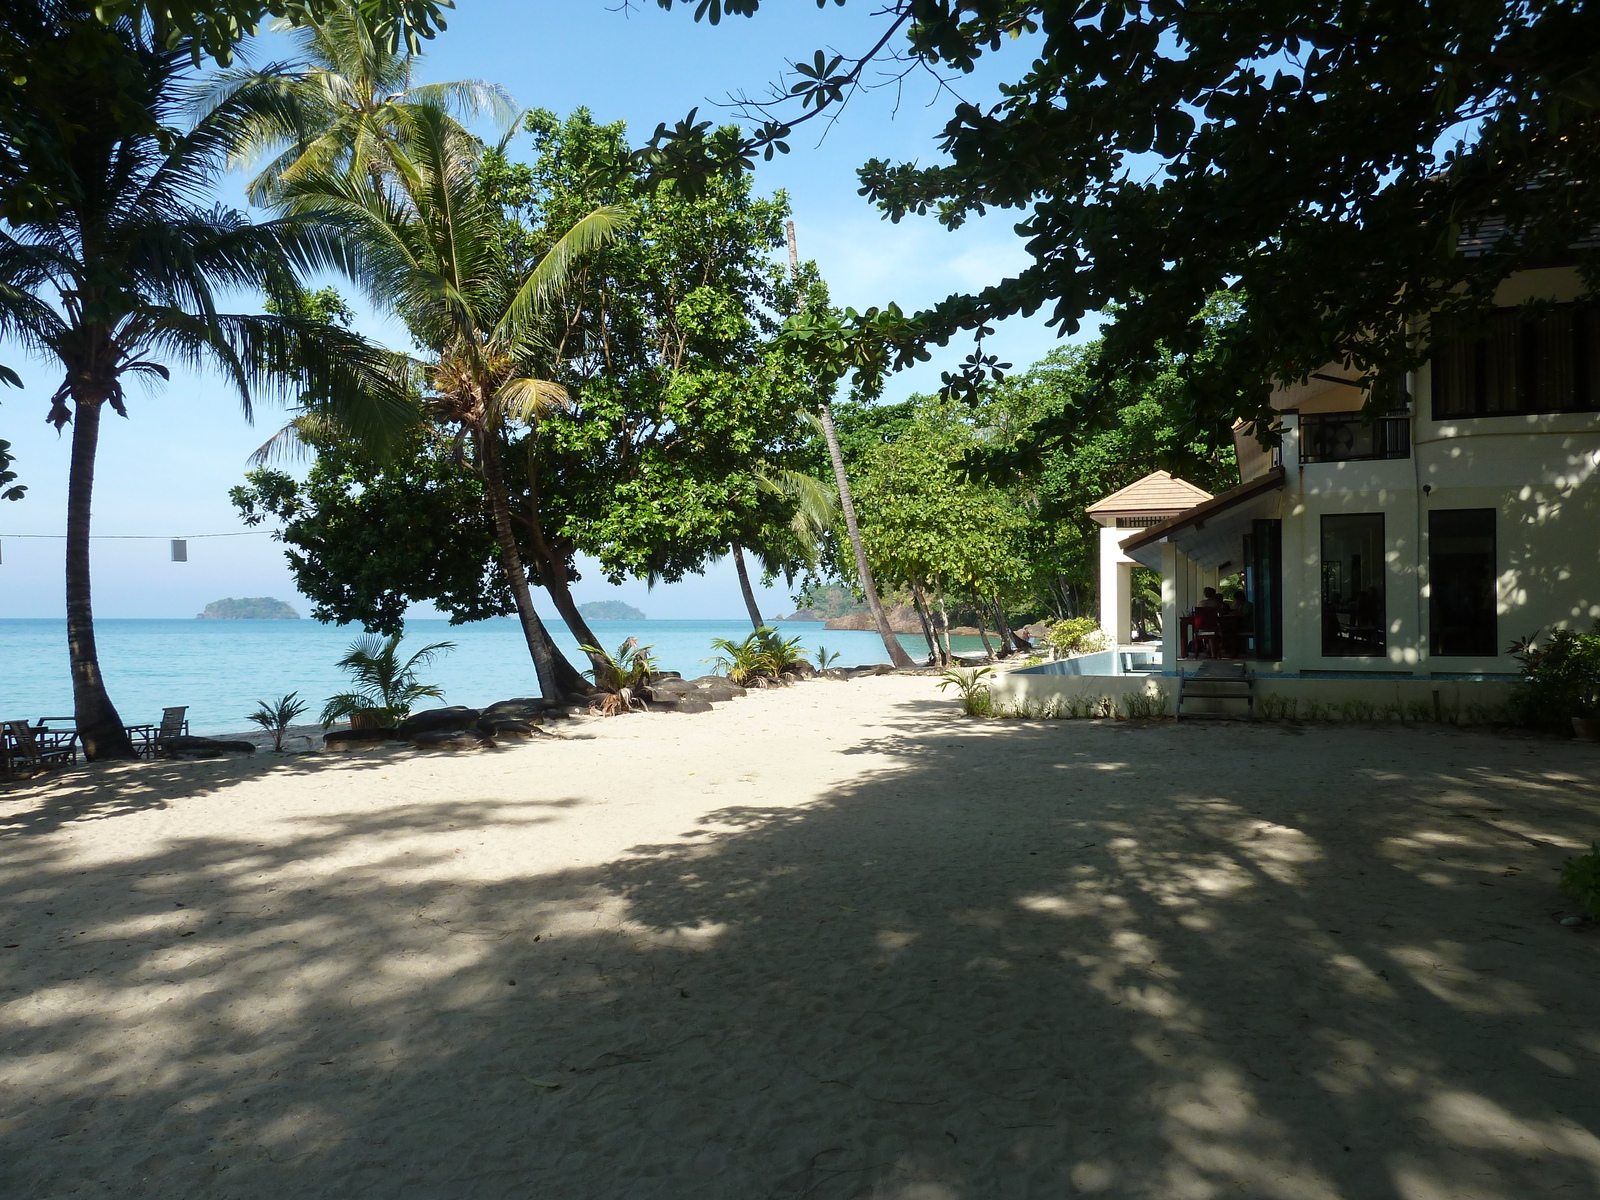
(1561, 681)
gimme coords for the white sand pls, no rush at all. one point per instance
(828, 942)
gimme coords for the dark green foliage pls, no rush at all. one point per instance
(1580, 879)
(1561, 678)
(369, 537)
(10, 489)
(1320, 159)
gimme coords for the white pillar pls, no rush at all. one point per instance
(1174, 582)
(1116, 585)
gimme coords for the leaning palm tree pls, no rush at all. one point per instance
(429, 245)
(342, 106)
(116, 277)
(815, 508)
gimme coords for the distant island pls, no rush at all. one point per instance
(609, 610)
(249, 608)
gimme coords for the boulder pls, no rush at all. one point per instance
(432, 719)
(522, 706)
(658, 676)
(449, 739)
(199, 747)
(509, 727)
(717, 695)
(350, 737)
(839, 673)
(692, 704)
(666, 689)
(802, 668)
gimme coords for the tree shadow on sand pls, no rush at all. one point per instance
(1024, 960)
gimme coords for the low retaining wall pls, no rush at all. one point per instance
(1458, 701)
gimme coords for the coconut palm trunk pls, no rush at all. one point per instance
(553, 684)
(891, 643)
(744, 586)
(99, 725)
(942, 624)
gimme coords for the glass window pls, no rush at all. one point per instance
(1462, 621)
(1354, 617)
(1513, 362)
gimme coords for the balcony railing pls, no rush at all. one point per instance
(1345, 437)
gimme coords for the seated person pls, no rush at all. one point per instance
(1210, 599)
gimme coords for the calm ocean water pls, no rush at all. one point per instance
(220, 668)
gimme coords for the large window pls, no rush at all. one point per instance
(1461, 583)
(1346, 437)
(1353, 613)
(1516, 361)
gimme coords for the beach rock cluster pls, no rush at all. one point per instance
(201, 747)
(457, 727)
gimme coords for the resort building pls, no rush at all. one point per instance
(1416, 545)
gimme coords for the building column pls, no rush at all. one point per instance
(1174, 588)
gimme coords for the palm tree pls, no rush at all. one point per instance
(343, 106)
(429, 245)
(815, 510)
(116, 277)
(384, 686)
(891, 643)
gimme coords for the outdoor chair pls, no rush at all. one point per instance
(147, 739)
(39, 749)
(1207, 632)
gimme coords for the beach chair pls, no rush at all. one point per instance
(39, 748)
(147, 739)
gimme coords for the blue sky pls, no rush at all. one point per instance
(166, 471)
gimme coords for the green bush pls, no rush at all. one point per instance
(1580, 879)
(1077, 635)
(1560, 679)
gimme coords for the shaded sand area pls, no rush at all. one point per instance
(828, 942)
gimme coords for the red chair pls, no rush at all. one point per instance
(1207, 632)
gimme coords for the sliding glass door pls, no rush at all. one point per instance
(1462, 617)
(1354, 613)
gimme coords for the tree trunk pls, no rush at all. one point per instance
(891, 643)
(552, 568)
(552, 684)
(984, 637)
(1007, 645)
(921, 605)
(100, 727)
(744, 586)
(942, 625)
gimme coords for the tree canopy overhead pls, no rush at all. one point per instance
(1324, 159)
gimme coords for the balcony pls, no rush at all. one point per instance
(1346, 437)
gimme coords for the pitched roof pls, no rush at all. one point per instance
(1156, 492)
(1210, 507)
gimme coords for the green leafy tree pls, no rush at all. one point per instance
(117, 276)
(1322, 159)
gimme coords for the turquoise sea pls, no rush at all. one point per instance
(221, 668)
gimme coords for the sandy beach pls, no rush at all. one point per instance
(833, 941)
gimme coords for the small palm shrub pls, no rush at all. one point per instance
(824, 659)
(385, 687)
(974, 688)
(763, 655)
(618, 676)
(276, 716)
